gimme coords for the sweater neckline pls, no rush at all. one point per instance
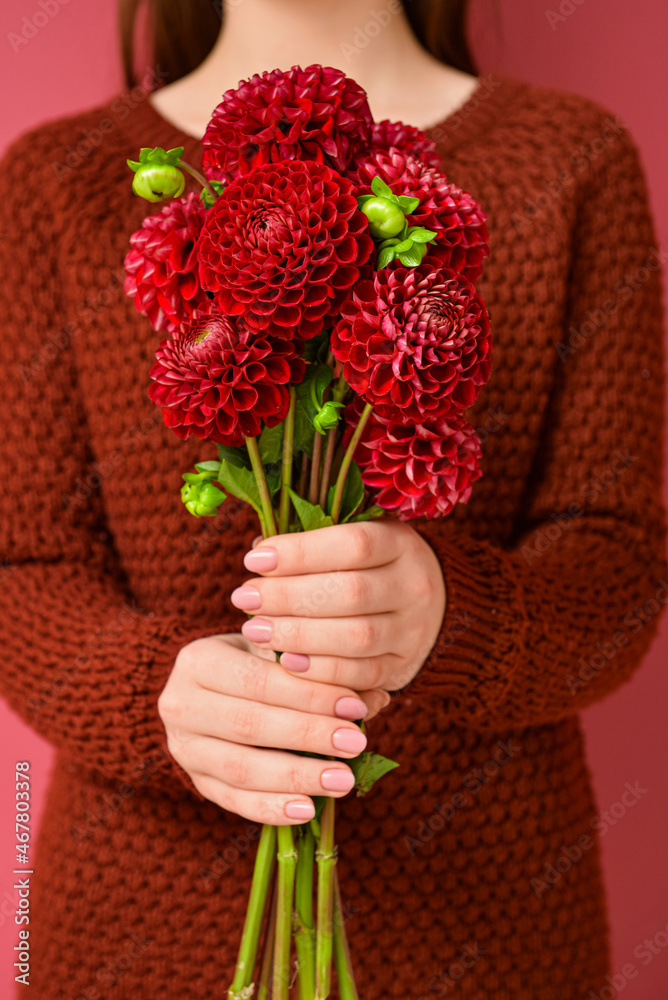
(484, 106)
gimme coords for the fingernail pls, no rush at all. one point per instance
(349, 740)
(258, 630)
(246, 598)
(256, 541)
(295, 661)
(350, 708)
(300, 810)
(337, 779)
(261, 560)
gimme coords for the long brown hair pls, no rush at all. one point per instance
(181, 34)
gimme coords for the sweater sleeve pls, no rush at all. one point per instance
(549, 623)
(83, 665)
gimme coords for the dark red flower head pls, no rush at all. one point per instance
(161, 268)
(218, 380)
(444, 208)
(282, 246)
(423, 470)
(407, 139)
(316, 113)
(415, 342)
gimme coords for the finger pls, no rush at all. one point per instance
(331, 595)
(363, 636)
(339, 547)
(247, 722)
(261, 770)
(277, 809)
(259, 680)
(358, 674)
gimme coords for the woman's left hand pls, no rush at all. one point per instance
(359, 605)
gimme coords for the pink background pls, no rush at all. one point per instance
(600, 48)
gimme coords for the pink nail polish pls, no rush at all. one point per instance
(336, 779)
(300, 810)
(350, 708)
(257, 630)
(295, 661)
(246, 598)
(261, 560)
(349, 740)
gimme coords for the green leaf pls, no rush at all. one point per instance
(321, 378)
(174, 155)
(311, 515)
(353, 493)
(312, 348)
(412, 257)
(273, 477)
(240, 482)
(134, 164)
(270, 444)
(403, 246)
(369, 514)
(384, 257)
(209, 466)
(421, 235)
(380, 188)
(235, 456)
(408, 204)
(368, 768)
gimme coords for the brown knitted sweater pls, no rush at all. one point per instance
(473, 870)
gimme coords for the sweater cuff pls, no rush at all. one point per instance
(140, 717)
(476, 654)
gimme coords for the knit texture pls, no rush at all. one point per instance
(455, 869)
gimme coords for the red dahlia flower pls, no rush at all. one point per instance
(282, 246)
(407, 139)
(444, 208)
(420, 471)
(218, 380)
(415, 342)
(161, 267)
(316, 113)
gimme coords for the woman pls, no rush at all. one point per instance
(473, 869)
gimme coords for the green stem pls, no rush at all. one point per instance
(286, 480)
(262, 873)
(287, 862)
(347, 460)
(326, 858)
(200, 178)
(263, 489)
(344, 966)
(266, 967)
(304, 924)
(315, 468)
(327, 467)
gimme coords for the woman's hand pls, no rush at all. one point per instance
(224, 707)
(354, 604)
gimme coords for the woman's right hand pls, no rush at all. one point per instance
(231, 714)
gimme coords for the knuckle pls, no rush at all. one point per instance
(253, 680)
(310, 735)
(298, 780)
(360, 542)
(237, 770)
(244, 725)
(357, 589)
(373, 670)
(364, 635)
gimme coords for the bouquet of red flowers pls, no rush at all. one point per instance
(324, 331)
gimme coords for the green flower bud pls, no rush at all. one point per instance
(202, 499)
(156, 182)
(385, 218)
(327, 417)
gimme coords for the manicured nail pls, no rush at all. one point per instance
(300, 810)
(350, 708)
(246, 598)
(337, 779)
(257, 630)
(295, 661)
(261, 560)
(349, 740)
